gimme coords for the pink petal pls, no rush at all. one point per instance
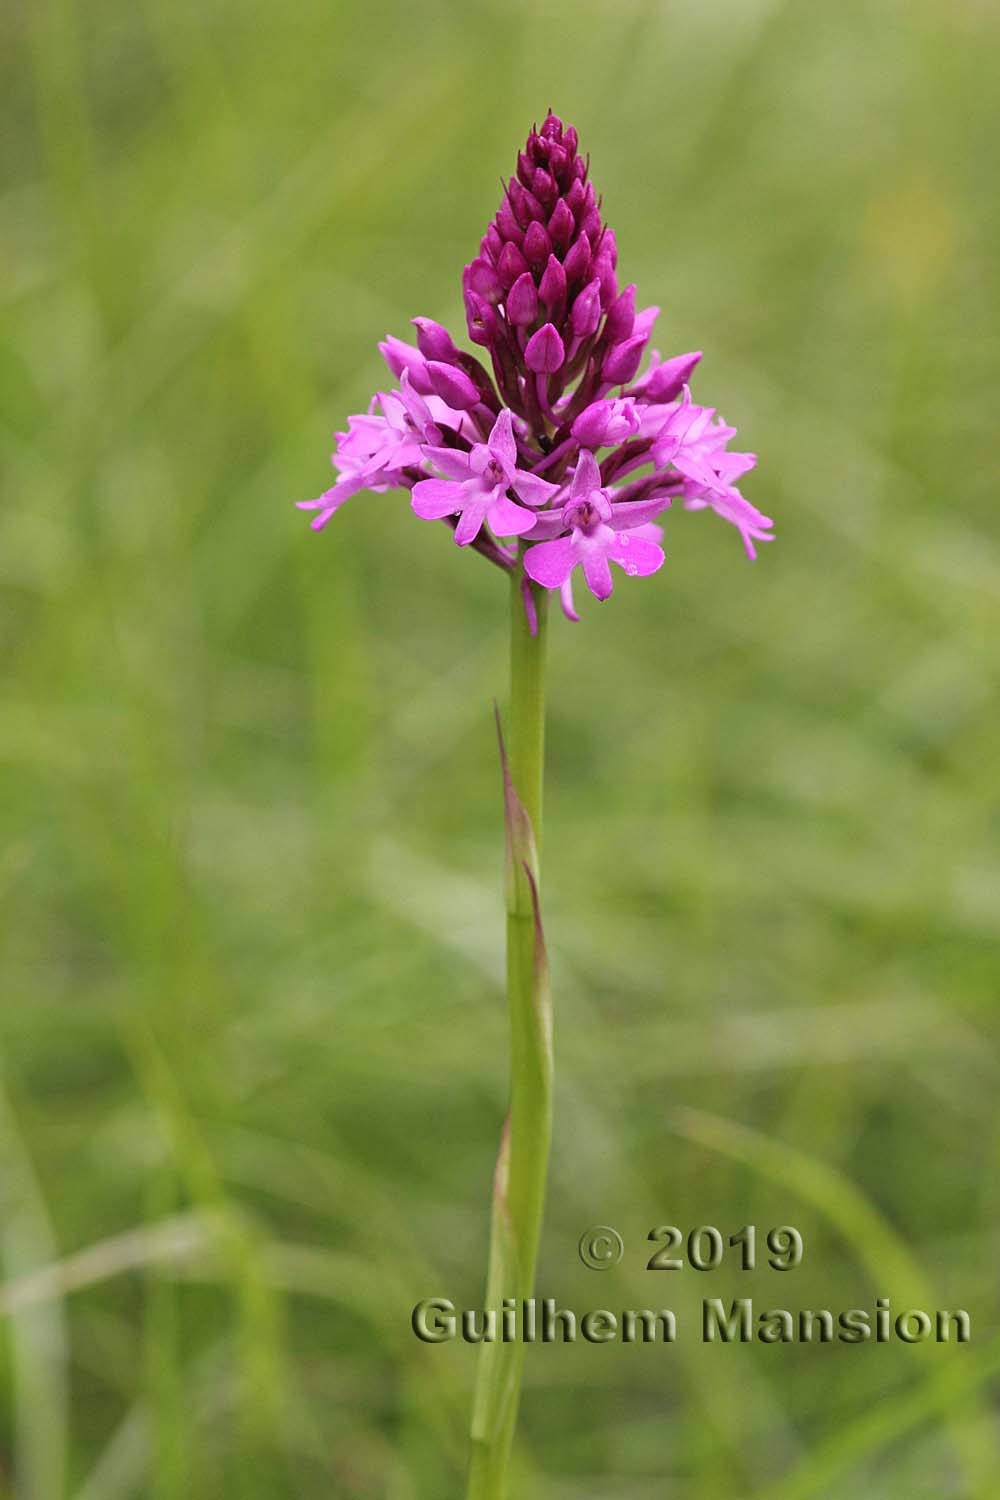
(436, 498)
(473, 516)
(597, 571)
(318, 522)
(566, 600)
(696, 467)
(501, 441)
(636, 555)
(632, 513)
(551, 563)
(644, 321)
(547, 525)
(532, 489)
(587, 477)
(732, 466)
(449, 460)
(331, 500)
(508, 519)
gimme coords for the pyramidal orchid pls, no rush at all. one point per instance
(554, 455)
(486, 446)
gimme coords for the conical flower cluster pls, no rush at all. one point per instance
(542, 295)
(508, 456)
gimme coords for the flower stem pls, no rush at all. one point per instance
(526, 731)
(519, 1184)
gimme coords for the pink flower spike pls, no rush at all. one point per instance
(557, 346)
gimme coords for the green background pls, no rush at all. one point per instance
(253, 1025)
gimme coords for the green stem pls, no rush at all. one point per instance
(526, 731)
(519, 1187)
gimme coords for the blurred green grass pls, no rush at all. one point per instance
(252, 1026)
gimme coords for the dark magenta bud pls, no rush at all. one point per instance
(452, 385)
(552, 287)
(544, 187)
(544, 352)
(624, 360)
(577, 262)
(479, 376)
(562, 227)
(586, 312)
(522, 301)
(515, 197)
(605, 273)
(508, 226)
(481, 320)
(537, 245)
(525, 168)
(510, 266)
(665, 381)
(434, 341)
(591, 225)
(621, 317)
(399, 357)
(573, 200)
(480, 277)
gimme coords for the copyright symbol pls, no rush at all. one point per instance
(601, 1247)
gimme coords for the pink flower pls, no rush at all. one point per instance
(476, 489)
(694, 445)
(606, 422)
(374, 450)
(665, 379)
(692, 442)
(600, 533)
(400, 356)
(727, 502)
